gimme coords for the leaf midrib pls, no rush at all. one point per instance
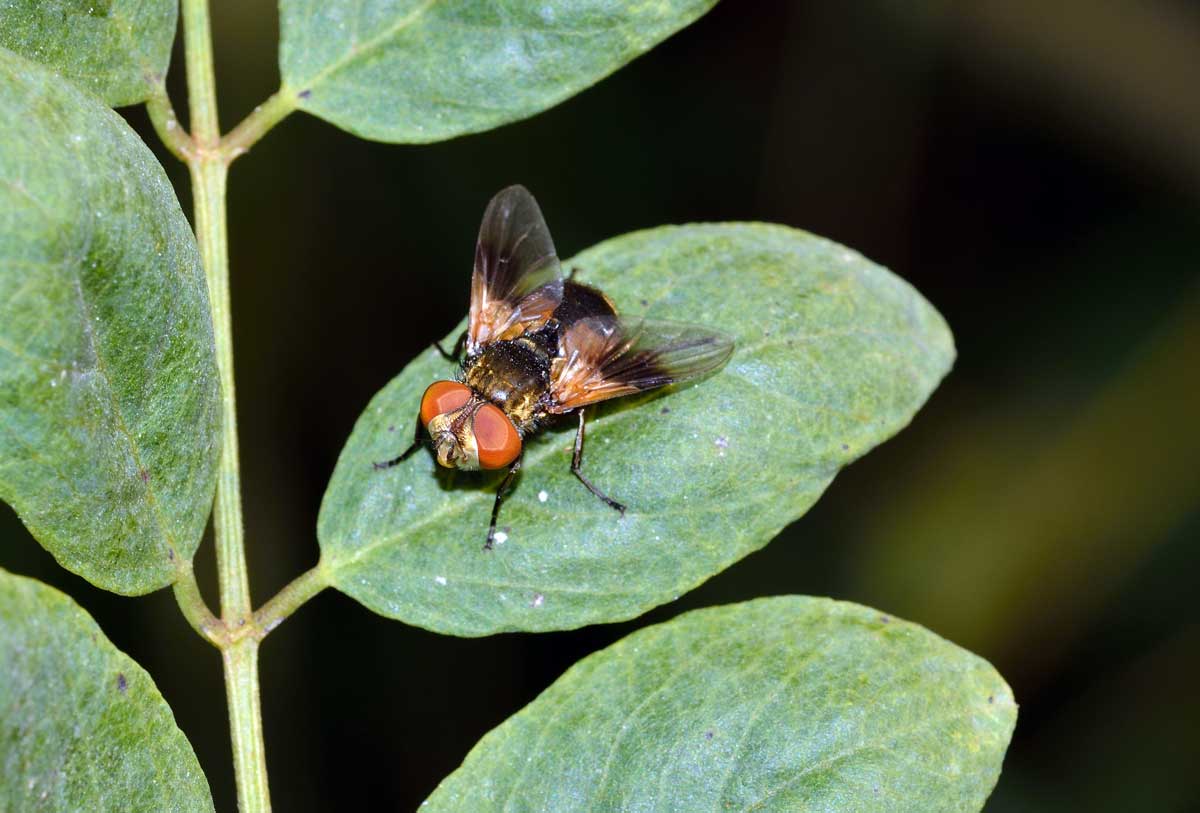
(122, 426)
(102, 369)
(355, 51)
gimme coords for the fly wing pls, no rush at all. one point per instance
(604, 357)
(517, 281)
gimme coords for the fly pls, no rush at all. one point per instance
(538, 346)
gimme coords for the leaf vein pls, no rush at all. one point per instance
(370, 45)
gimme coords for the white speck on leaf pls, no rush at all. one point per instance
(543, 496)
(501, 537)
(440, 579)
(538, 600)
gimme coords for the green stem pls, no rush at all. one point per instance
(208, 191)
(274, 110)
(241, 658)
(202, 82)
(245, 718)
(288, 600)
(209, 170)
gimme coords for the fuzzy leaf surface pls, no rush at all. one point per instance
(778, 704)
(116, 49)
(834, 355)
(416, 71)
(108, 390)
(82, 727)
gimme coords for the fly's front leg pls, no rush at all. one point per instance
(577, 464)
(505, 485)
(416, 444)
(456, 355)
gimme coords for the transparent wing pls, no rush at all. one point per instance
(517, 281)
(604, 357)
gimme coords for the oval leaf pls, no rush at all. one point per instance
(784, 704)
(108, 388)
(834, 354)
(82, 727)
(416, 71)
(116, 49)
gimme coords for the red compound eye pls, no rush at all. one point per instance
(443, 396)
(496, 438)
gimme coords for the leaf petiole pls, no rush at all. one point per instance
(166, 124)
(288, 600)
(241, 138)
(195, 609)
(235, 143)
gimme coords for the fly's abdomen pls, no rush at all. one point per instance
(580, 301)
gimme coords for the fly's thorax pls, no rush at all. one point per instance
(513, 375)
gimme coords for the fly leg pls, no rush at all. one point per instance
(505, 485)
(577, 464)
(456, 355)
(416, 444)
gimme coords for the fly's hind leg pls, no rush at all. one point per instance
(416, 444)
(456, 354)
(505, 485)
(577, 464)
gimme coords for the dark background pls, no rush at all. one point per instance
(1033, 168)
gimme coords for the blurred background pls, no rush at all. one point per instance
(1033, 168)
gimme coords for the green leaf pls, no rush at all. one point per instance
(415, 71)
(785, 704)
(116, 49)
(108, 389)
(834, 355)
(82, 727)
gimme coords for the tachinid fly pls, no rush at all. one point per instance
(538, 346)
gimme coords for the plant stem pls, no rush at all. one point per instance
(288, 600)
(208, 191)
(239, 653)
(274, 110)
(245, 719)
(202, 82)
